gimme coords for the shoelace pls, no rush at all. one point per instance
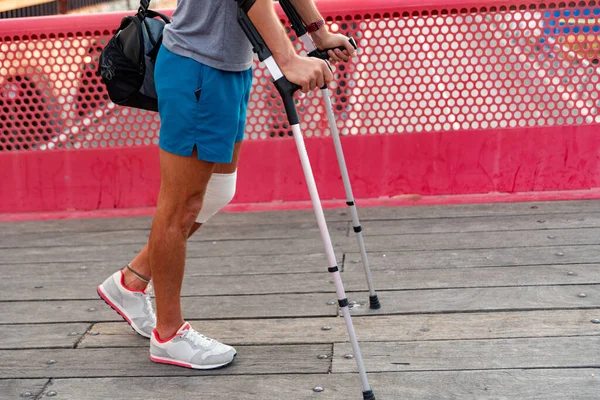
(197, 338)
(148, 308)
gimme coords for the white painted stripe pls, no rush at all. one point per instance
(308, 43)
(273, 68)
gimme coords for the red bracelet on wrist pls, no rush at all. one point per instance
(315, 26)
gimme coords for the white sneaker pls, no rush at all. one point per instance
(190, 349)
(135, 306)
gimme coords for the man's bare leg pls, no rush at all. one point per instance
(141, 263)
(183, 183)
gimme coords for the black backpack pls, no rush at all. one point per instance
(127, 62)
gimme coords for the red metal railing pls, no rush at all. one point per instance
(494, 94)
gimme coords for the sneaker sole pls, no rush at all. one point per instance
(169, 361)
(110, 302)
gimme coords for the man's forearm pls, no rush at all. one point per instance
(263, 16)
(308, 11)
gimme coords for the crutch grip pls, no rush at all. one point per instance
(324, 54)
(286, 90)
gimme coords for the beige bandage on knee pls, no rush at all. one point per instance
(219, 192)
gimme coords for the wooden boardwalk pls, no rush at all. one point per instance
(492, 301)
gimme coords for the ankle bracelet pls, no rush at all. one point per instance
(137, 274)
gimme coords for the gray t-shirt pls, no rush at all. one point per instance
(208, 32)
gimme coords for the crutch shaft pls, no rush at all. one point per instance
(300, 30)
(373, 298)
(333, 268)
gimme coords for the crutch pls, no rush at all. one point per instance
(287, 89)
(301, 32)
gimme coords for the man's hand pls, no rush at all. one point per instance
(322, 38)
(309, 73)
(326, 40)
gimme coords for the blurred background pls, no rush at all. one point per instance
(34, 8)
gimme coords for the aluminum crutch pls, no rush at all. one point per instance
(287, 89)
(300, 29)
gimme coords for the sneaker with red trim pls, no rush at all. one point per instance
(135, 306)
(190, 349)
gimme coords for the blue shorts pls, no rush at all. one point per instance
(200, 107)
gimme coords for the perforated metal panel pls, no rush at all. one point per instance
(476, 69)
(427, 70)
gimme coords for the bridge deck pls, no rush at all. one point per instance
(479, 301)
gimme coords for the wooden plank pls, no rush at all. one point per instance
(19, 280)
(24, 288)
(199, 266)
(23, 281)
(210, 307)
(21, 388)
(484, 240)
(482, 224)
(205, 234)
(470, 258)
(240, 387)
(555, 384)
(416, 242)
(120, 233)
(83, 285)
(74, 363)
(304, 216)
(315, 305)
(41, 336)
(76, 225)
(481, 299)
(373, 329)
(562, 352)
(120, 252)
(392, 279)
(470, 210)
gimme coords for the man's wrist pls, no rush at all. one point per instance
(284, 60)
(315, 26)
(320, 36)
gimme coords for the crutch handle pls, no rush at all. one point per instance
(324, 54)
(286, 90)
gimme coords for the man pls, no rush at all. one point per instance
(203, 80)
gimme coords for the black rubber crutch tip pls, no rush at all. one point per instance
(374, 304)
(368, 395)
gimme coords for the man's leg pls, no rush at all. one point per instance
(141, 263)
(183, 183)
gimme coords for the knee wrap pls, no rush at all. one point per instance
(219, 192)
